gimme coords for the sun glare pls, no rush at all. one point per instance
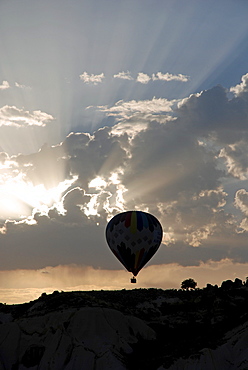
(20, 199)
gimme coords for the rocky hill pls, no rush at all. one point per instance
(128, 329)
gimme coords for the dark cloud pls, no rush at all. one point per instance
(90, 156)
(212, 114)
(169, 161)
(51, 242)
(178, 169)
(47, 167)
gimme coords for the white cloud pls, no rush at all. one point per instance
(145, 109)
(5, 85)
(22, 86)
(236, 159)
(92, 79)
(169, 77)
(13, 116)
(143, 78)
(124, 75)
(241, 200)
(242, 87)
(159, 76)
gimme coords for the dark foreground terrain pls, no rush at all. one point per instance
(128, 329)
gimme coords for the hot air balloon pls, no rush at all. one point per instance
(134, 237)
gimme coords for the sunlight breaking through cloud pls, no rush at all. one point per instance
(105, 195)
(20, 199)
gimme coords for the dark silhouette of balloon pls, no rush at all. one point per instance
(134, 237)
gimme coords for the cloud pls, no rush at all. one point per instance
(22, 86)
(92, 79)
(16, 117)
(133, 173)
(169, 77)
(5, 85)
(212, 115)
(241, 200)
(124, 75)
(242, 87)
(181, 162)
(155, 108)
(159, 76)
(143, 78)
(236, 159)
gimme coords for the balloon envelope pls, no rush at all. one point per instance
(134, 237)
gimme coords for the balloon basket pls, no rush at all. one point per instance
(133, 280)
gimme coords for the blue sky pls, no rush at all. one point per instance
(113, 105)
(47, 46)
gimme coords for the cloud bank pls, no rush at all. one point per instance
(184, 161)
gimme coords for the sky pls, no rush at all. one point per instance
(108, 106)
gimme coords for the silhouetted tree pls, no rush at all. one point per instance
(238, 283)
(189, 284)
(246, 281)
(227, 284)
